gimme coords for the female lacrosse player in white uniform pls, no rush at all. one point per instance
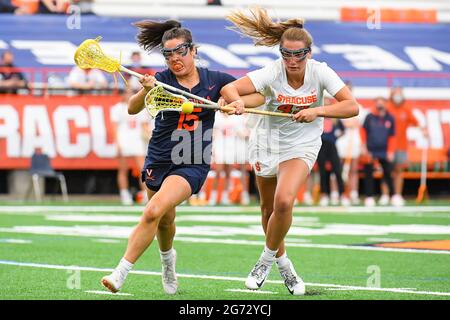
(284, 150)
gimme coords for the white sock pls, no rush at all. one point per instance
(166, 256)
(282, 261)
(124, 267)
(354, 194)
(268, 256)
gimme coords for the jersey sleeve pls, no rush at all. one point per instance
(329, 80)
(261, 78)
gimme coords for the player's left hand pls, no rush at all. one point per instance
(305, 115)
(238, 106)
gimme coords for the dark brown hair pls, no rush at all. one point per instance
(154, 34)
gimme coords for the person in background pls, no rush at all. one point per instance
(87, 80)
(131, 134)
(332, 129)
(349, 149)
(135, 65)
(230, 149)
(10, 81)
(404, 119)
(377, 135)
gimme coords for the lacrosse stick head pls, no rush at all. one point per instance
(90, 55)
(158, 99)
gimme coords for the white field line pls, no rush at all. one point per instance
(16, 241)
(309, 245)
(408, 210)
(222, 278)
(251, 291)
(108, 293)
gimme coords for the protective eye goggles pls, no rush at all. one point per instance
(181, 49)
(299, 54)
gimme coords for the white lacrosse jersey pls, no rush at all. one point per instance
(282, 134)
(130, 136)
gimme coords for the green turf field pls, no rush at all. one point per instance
(61, 252)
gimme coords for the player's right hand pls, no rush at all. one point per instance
(148, 82)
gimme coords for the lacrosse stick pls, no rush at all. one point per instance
(158, 99)
(90, 55)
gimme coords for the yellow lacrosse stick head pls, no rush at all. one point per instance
(90, 55)
(158, 99)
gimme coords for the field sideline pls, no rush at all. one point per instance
(61, 252)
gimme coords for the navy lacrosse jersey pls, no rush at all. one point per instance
(185, 139)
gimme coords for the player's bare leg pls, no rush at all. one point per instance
(165, 236)
(174, 190)
(267, 187)
(291, 175)
(278, 224)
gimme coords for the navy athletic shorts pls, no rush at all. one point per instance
(154, 174)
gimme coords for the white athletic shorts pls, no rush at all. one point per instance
(266, 163)
(130, 146)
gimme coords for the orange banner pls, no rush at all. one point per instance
(76, 131)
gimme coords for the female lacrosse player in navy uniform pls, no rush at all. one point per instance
(179, 152)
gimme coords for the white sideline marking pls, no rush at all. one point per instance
(107, 240)
(15, 241)
(222, 278)
(124, 232)
(252, 291)
(383, 240)
(108, 293)
(408, 210)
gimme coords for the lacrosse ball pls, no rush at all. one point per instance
(187, 107)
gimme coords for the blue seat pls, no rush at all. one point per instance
(42, 168)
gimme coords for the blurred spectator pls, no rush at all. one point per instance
(10, 80)
(404, 118)
(53, 6)
(377, 135)
(87, 80)
(85, 6)
(332, 129)
(214, 3)
(349, 149)
(6, 6)
(131, 133)
(229, 151)
(136, 65)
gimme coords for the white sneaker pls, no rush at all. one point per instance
(307, 199)
(292, 281)
(384, 200)
(114, 281)
(397, 200)
(224, 198)
(212, 198)
(354, 197)
(258, 275)
(334, 198)
(245, 198)
(345, 202)
(369, 202)
(324, 201)
(125, 197)
(169, 277)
